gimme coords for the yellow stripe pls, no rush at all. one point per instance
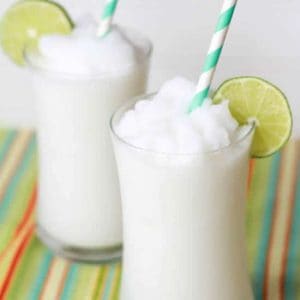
(86, 282)
(280, 226)
(18, 207)
(103, 283)
(256, 207)
(114, 288)
(55, 278)
(15, 153)
(3, 133)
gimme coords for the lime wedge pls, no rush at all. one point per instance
(254, 99)
(26, 21)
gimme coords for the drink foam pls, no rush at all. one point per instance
(163, 124)
(83, 52)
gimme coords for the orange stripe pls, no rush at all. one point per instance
(271, 238)
(62, 282)
(281, 226)
(288, 234)
(29, 210)
(19, 233)
(55, 279)
(15, 263)
(15, 243)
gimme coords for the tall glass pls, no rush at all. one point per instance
(79, 210)
(183, 222)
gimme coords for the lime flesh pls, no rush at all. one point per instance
(26, 21)
(253, 99)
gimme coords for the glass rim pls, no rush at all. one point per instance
(148, 96)
(32, 66)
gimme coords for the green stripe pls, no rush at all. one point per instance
(210, 62)
(3, 134)
(18, 206)
(26, 272)
(69, 283)
(22, 277)
(266, 228)
(292, 287)
(43, 269)
(16, 179)
(10, 136)
(109, 9)
(84, 277)
(19, 202)
(212, 59)
(256, 207)
(225, 18)
(116, 292)
(100, 282)
(198, 99)
(109, 281)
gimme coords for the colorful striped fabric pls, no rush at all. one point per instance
(29, 271)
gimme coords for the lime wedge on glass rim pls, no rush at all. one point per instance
(27, 20)
(253, 99)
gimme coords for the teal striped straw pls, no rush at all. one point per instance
(110, 7)
(214, 53)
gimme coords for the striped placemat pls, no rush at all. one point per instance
(29, 271)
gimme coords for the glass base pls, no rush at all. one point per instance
(77, 254)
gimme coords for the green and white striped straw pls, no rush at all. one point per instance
(107, 17)
(214, 54)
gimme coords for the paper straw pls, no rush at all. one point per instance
(107, 17)
(214, 54)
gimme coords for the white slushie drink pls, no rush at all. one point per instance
(79, 81)
(183, 187)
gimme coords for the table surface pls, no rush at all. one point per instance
(30, 271)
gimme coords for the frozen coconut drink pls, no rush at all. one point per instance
(183, 163)
(183, 181)
(80, 78)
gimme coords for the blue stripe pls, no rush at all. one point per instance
(291, 281)
(109, 282)
(266, 227)
(69, 282)
(212, 59)
(198, 99)
(9, 137)
(225, 18)
(12, 187)
(42, 274)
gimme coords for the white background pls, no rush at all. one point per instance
(264, 40)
